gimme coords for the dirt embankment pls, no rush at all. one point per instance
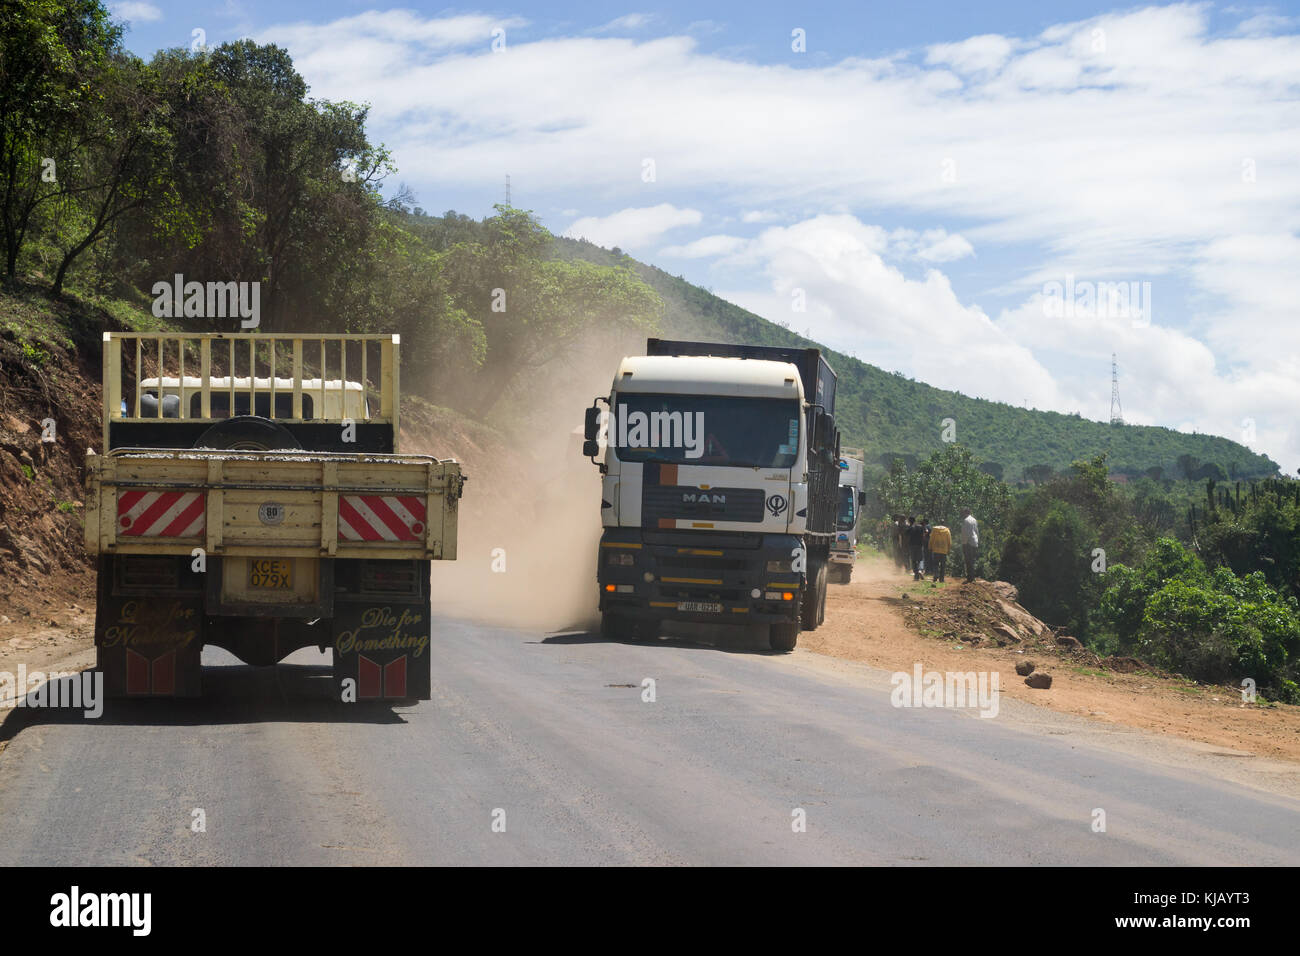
(46, 580)
(960, 628)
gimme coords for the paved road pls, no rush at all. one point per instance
(542, 733)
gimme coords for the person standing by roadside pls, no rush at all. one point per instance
(900, 540)
(940, 545)
(970, 542)
(915, 542)
(925, 547)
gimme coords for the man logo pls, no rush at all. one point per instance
(776, 505)
(691, 498)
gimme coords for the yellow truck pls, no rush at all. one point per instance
(252, 496)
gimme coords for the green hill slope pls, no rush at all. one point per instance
(890, 415)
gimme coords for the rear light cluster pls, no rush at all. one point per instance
(158, 573)
(390, 577)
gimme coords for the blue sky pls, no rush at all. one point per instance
(915, 186)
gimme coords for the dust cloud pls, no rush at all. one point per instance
(530, 524)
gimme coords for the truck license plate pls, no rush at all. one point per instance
(699, 607)
(270, 573)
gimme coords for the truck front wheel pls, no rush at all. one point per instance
(783, 636)
(814, 598)
(621, 627)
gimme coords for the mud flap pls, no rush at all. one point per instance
(383, 649)
(150, 647)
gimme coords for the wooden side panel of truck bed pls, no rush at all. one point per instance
(254, 504)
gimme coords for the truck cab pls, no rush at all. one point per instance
(844, 549)
(718, 489)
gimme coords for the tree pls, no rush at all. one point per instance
(533, 308)
(311, 177)
(117, 158)
(1038, 473)
(49, 51)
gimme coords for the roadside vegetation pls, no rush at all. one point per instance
(1206, 588)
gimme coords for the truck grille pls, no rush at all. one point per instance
(715, 504)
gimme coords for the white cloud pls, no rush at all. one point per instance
(633, 228)
(629, 21)
(974, 55)
(1111, 146)
(1264, 24)
(707, 247)
(857, 302)
(947, 249)
(134, 11)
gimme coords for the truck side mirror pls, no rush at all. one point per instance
(824, 431)
(591, 427)
(590, 448)
(862, 497)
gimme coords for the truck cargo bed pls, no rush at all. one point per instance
(293, 503)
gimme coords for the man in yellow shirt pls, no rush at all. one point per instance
(940, 545)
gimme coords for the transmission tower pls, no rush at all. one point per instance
(1116, 412)
(507, 189)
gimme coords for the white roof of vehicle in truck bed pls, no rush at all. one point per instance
(194, 383)
(708, 375)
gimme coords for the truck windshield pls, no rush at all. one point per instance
(848, 515)
(706, 430)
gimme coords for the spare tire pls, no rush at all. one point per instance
(248, 433)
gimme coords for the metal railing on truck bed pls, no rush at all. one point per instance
(209, 376)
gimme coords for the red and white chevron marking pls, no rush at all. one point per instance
(160, 514)
(381, 518)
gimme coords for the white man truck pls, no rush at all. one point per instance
(262, 511)
(719, 490)
(844, 549)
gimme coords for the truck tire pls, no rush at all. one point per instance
(814, 599)
(784, 635)
(621, 627)
(248, 433)
(613, 627)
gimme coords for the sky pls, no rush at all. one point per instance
(992, 198)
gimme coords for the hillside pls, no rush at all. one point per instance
(894, 416)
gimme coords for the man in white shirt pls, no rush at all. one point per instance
(970, 542)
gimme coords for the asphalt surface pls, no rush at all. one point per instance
(535, 750)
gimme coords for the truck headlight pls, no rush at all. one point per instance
(624, 559)
(776, 567)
